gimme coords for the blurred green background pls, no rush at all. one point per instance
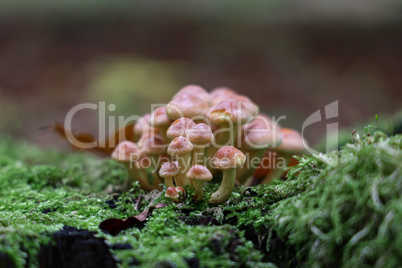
(291, 57)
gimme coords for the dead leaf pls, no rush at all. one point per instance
(114, 226)
(125, 133)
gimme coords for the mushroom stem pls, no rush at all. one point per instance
(184, 163)
(228, 136)
(156, 178)
(163, 135)
(235, 131)
(155, 173)
(277, 173)
(198, 155)
(168, 171)
(169, 182)
(199, 189)
(254, 159)
(226, 188)
(223, 138)
(140, 176)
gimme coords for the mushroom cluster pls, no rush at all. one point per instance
(198, 134)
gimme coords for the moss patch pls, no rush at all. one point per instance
(340, 209)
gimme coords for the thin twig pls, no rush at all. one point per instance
(138, 203)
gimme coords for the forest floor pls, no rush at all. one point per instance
(338, 209)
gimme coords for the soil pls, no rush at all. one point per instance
(5, 261)
(76, 248)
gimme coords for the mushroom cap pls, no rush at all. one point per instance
(200, 134)
(179, 146)
(153, 145)
(145, 136)
(228, 157)
(199, 172)
(229, 111)
(164, 158)
(169, 169)
(180, 190)
(292, 142)
(215, 128)
(160, 119)
(126, 151)
(179, 127)
(260, 133)
(195, 90)
(187, 105)
(171, 193)
(221, 93)
(144, 162)
(249, 104)
(142, 125)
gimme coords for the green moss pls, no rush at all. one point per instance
(334, 215)
(347, 214)
(71, 189)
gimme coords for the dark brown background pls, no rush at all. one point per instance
(290, 58)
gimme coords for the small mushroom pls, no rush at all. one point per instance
(198, 175)
(142, 165)
(142, 126)
(172, 193)
(248, 104)
(227, 159)
(153, 147)
(180, 190)
(187, 105)
(181, 148)
(160, 120)
(292, 144)
(257, 136)
(220, 94)
(179, 128)
(128, 153)
(194, 90)
(228, 114)
(168, 171)
(201, 136)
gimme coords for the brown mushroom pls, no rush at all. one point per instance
(248, 104)
(201, 136)
(257, 136)
(292, 144)
(187, 105)
(143, 165)
(160, 120)
(181, 148)
(168, 171)
(142, 126)
(199, 174)
(227, 159)
(194, 90)
(179, 128)
(154, 147)
(128, 153)
(228, 114)
(172, 193)
(220, 94)
(180, 190)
